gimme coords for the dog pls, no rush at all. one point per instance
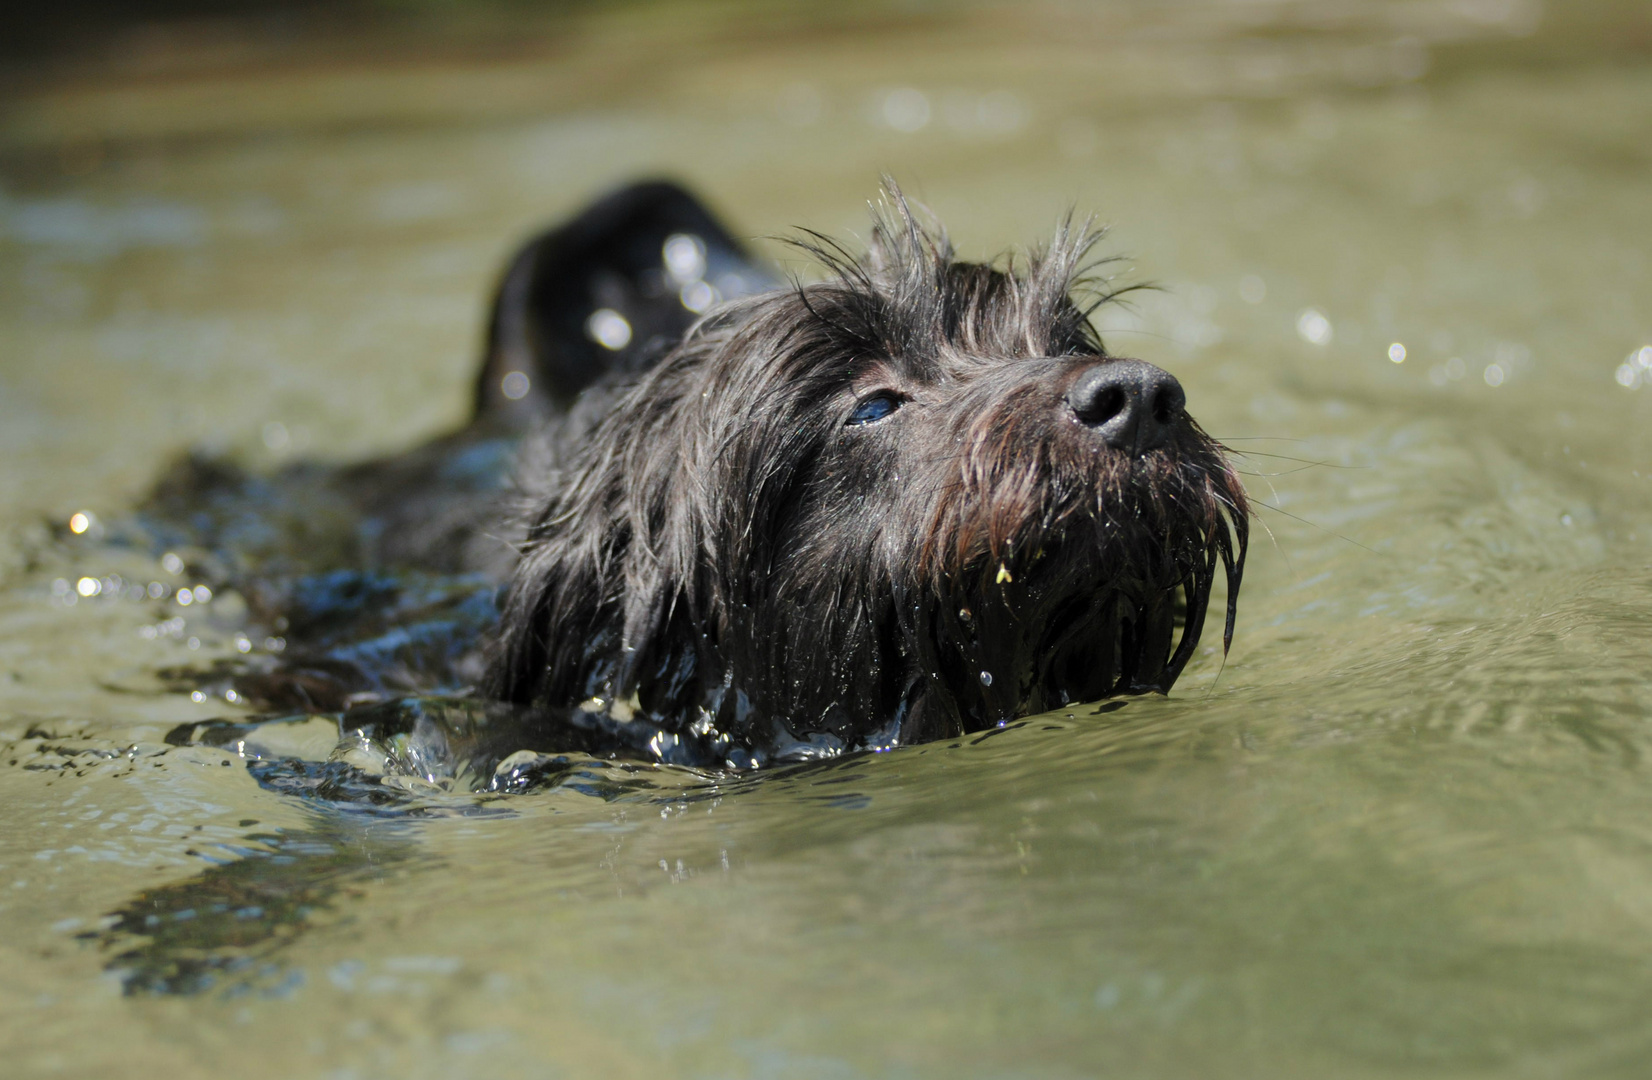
(915, 499)
(768, 520)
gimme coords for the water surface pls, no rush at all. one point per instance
(1406, 258)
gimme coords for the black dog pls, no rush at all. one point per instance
(914, 499)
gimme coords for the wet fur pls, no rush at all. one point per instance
(713, 548)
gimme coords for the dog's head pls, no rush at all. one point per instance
(915, 499)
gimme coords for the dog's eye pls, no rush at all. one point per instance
(873, 408)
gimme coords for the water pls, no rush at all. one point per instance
(1403, 830)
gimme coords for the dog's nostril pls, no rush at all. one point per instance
(1132, 405)
(1167, 404)
(1109, 404)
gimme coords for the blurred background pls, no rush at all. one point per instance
(1404, 258)
(218, 216)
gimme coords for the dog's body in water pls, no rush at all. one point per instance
(914, 499)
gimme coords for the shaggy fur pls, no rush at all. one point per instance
(722, 553)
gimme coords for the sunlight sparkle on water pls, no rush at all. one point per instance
(697, 296)
(1313, 327)
(906, 109)
(515, 385)
(609, 329)
(1636, 369)
(79, 522)
(684, 256)
(1396, 353)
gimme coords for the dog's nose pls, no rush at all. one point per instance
(1131, 404)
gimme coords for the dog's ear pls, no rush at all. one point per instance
(599, 604)
(550, 604)
(609, 291)
(570, 632)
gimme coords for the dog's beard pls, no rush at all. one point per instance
(1053, 584)
(1111, 600)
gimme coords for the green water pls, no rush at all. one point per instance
(1406, 829)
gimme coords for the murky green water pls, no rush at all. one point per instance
(1406, 831)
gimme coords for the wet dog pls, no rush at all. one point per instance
(767, 520)
(915, 499)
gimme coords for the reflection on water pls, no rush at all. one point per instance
(1403, 252)
(223, 930)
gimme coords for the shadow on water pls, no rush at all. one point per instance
(223, 929)
(395, 765)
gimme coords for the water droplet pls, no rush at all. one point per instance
(684, 256)
(609, 329)
(697, 296)
(906, 109)
(1313, 327)
(986, 678)
(515, 385)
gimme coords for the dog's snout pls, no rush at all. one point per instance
(1132, 405)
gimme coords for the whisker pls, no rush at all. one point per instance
(1258, 438)
(1264, 475)
(1287, 457)
(1283, 554)
(1150, 334)
(1316, 525)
